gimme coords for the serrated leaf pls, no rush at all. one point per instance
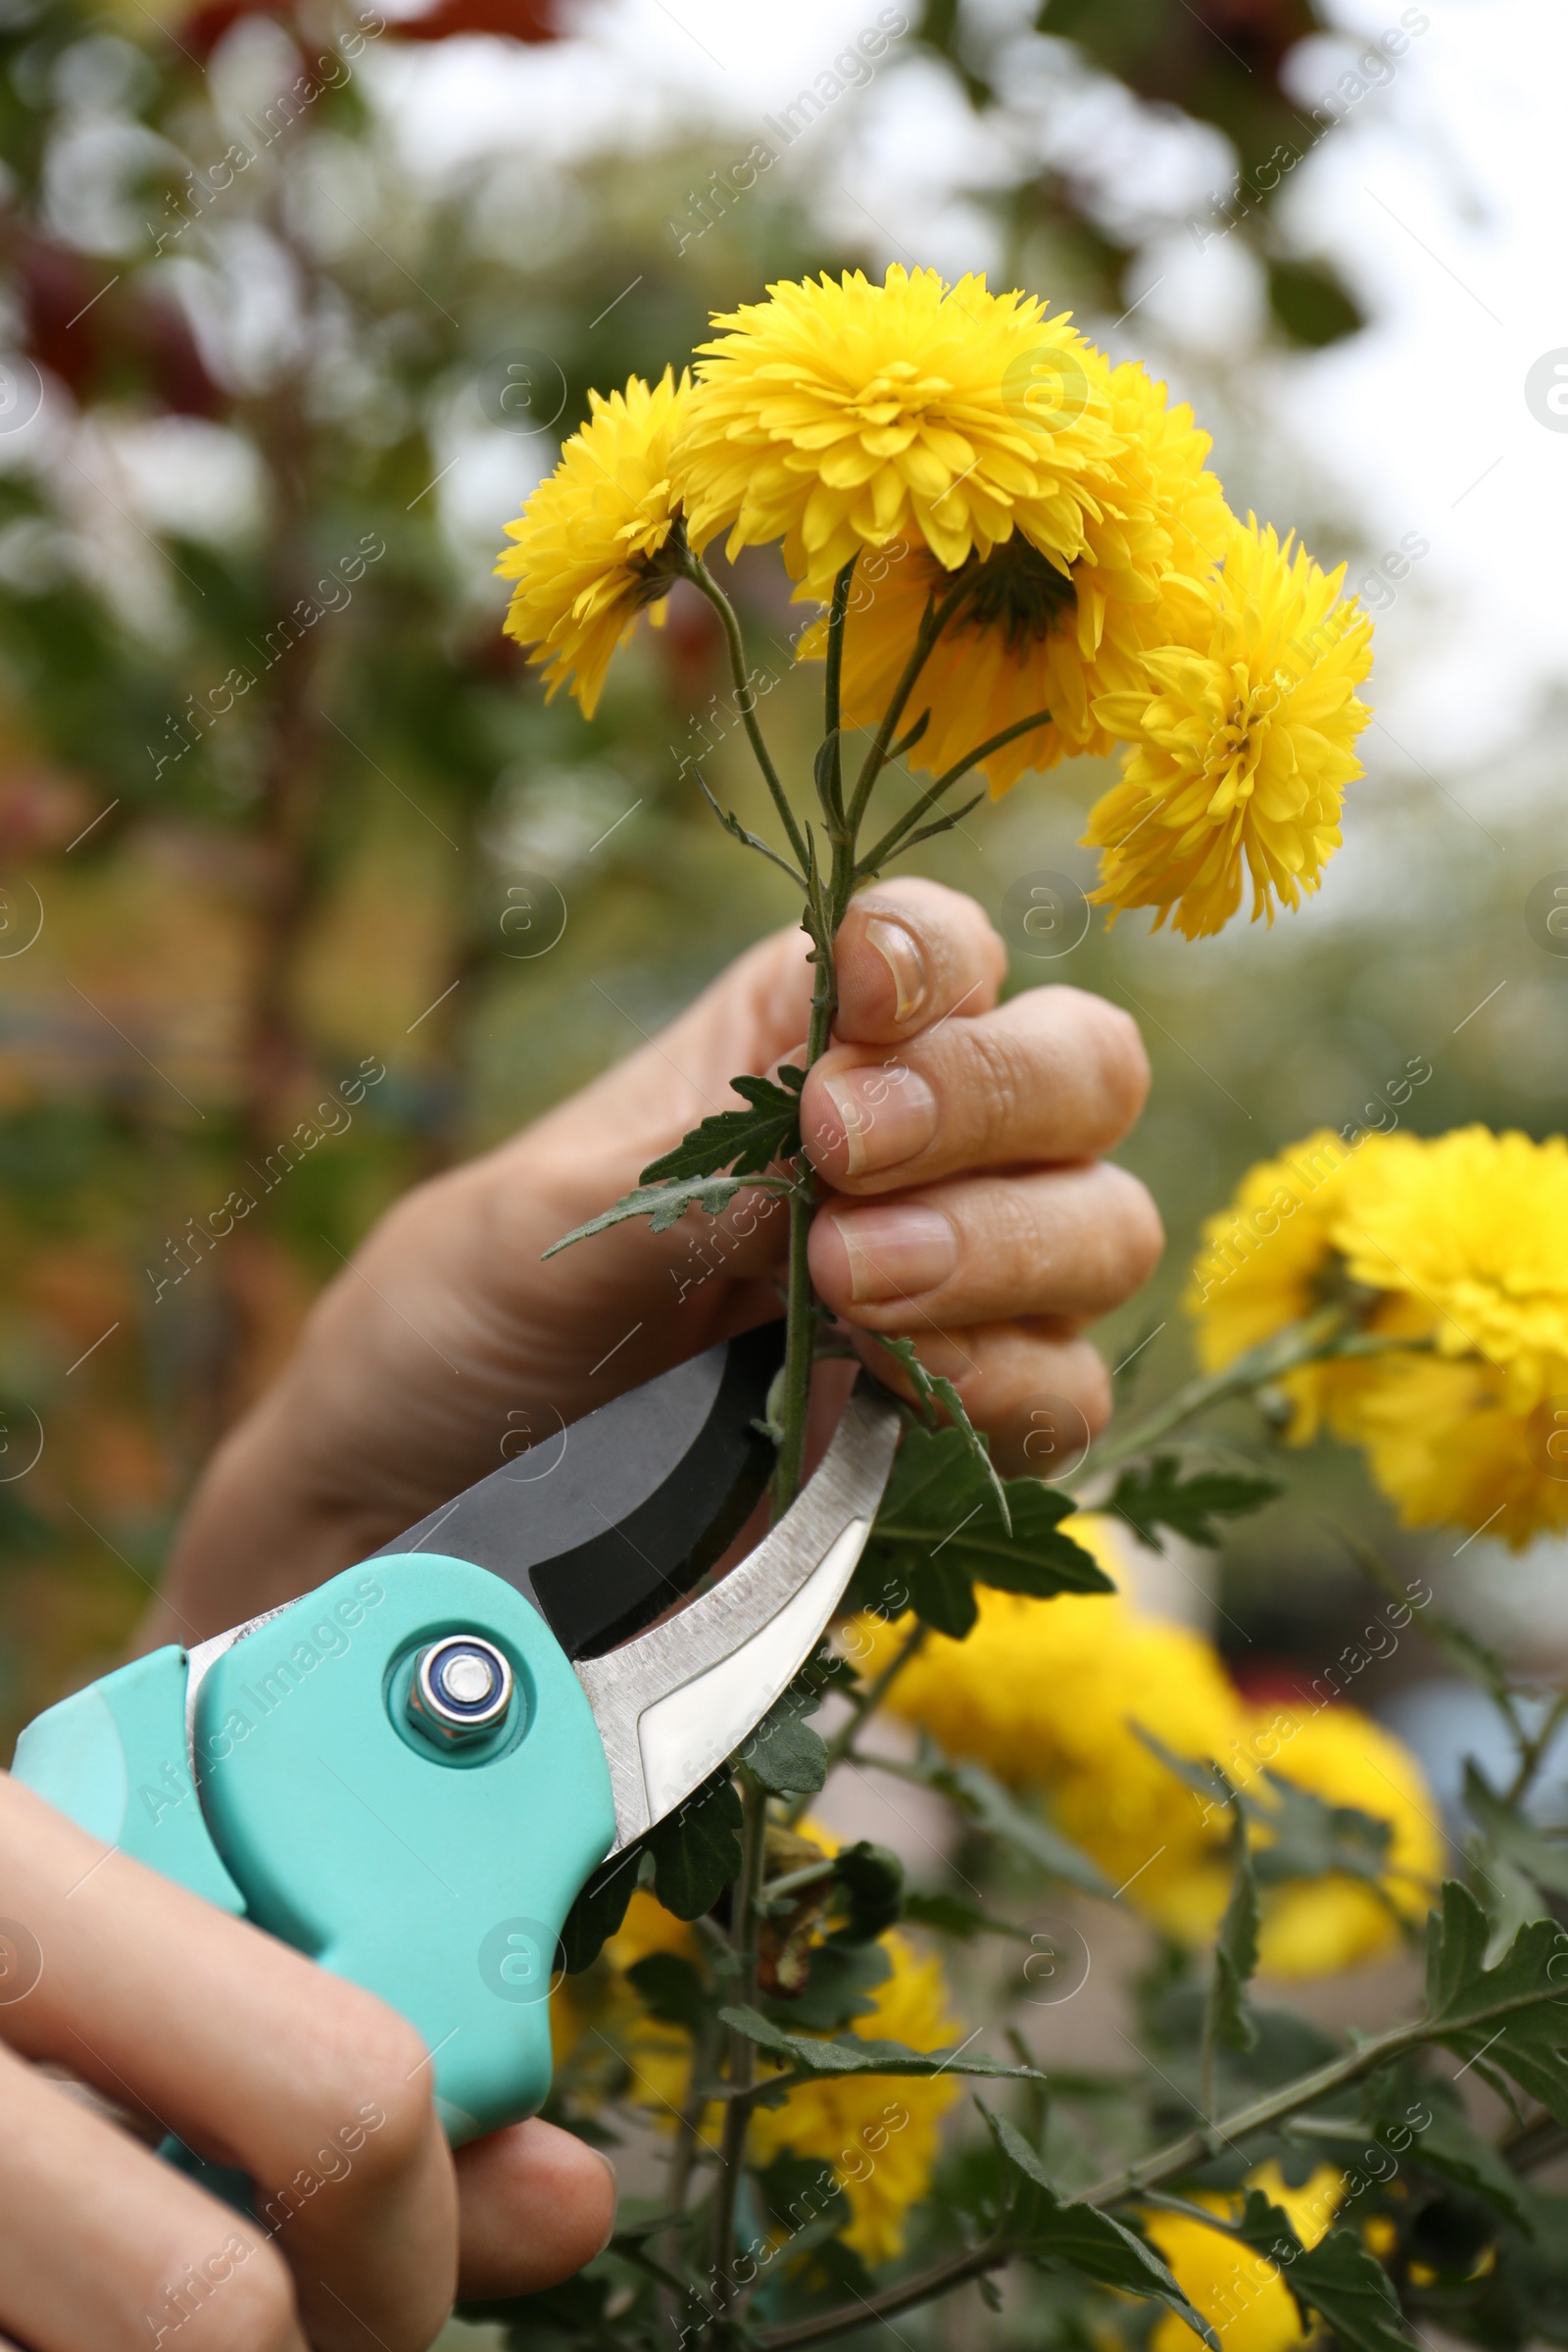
(816, 2061)
(938, 1533)
(842, 1985)
(992, 1809)
(663, 1204)
(1154, 1494)
(1509, 1834)
(1515, 2012)
(598, 1910)
(1081, 2237)
(744, 1142)
(935, 1389)
(696, 1848)
(1337, 2278)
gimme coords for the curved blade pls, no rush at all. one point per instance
(673, 1703)
(606, 1522)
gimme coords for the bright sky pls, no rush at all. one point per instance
(1440, 195)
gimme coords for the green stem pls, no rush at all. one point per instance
(894, 837)
(742, 2053)
(934, 621)
(832, 704)
(1298, 1344)
(868, 1699)
(703, 580)
(1533, 1749)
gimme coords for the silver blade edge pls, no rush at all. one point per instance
(675, 1701)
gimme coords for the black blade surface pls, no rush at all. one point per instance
(606, 1523)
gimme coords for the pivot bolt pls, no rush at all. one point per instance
(461, 1688)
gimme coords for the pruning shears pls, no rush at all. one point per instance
(411, 1773)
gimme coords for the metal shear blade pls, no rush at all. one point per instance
(675, 1701)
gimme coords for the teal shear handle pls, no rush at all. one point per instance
(305, 1788)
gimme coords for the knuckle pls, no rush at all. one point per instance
(1139, 1229)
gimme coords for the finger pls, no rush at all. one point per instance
(536, 2203)
(1053, 1075)
(907, 954)
(105, 2250)
(257, 2059)
(1040, 1394)
(1069, 1242)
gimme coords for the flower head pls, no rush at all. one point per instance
(1243, 741)
(1027, 636)
(837, 416)
(591, 543)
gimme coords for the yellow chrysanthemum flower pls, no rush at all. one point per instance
(1473, 1227)
(1242, 2295)
(1273, 1256)
(590, 539)
(836, 416)
(1242, 741)
(1454, 1242)
(1029, 636)
(879, 2133)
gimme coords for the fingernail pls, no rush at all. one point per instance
(900, 950)
(896, 1253)
(888, 1114)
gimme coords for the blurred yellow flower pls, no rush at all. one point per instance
(590, 539)
(880, 2134)
(1454, 1242)
(1242, 2295)
(1029, 636)
(1273, 1256)
(1045, 1693)
(1242, 736)
(840, 415)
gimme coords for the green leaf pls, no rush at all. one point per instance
(840, 1987)
(1230, 2021)
(934, 1389)
(1516, 2012)
(939, 1533)
(1420, 2120)
(744, 1142)
(1338, 2279)
(664, 1204)
(847, 2054)
(1154, 1494)
(991, 1808)
(598, 1910)
(696, 1848)
(1517, 1840)
(1080, 2237)
(951, 1914)
(786, 1755)
(1310, 1839)
(669, 1988)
